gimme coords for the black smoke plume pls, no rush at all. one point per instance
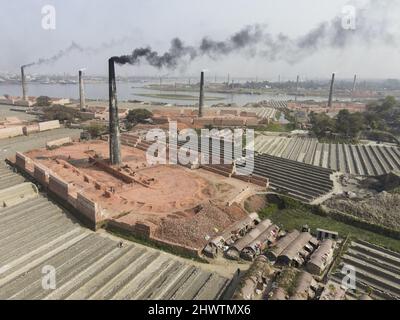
(57, 56)
(76, 47)
(371, 27)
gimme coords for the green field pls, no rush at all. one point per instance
(295, 218)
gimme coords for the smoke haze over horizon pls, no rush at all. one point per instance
(290, 44)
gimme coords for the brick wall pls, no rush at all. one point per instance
(41, 174)
(58, 186)
(30, 129)
(88, 207)
(20, 160)
(49, 125)
(58, 142)
(114, 172)
(11, 132)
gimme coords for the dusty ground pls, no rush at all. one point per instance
(180, 205)
(381, 209)
(255, 203)
(159, 197)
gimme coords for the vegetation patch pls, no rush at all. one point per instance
(61, 113)
(294, 218)
(96, 129)
(381, 122)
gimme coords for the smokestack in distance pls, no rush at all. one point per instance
(297, 87)
(331, 91)
(354, 86)
(201, 99)
(82, 103)
(115, 143)
(23, 83)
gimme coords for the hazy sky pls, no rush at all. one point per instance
(129, 24)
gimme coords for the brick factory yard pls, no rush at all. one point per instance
(172, 203)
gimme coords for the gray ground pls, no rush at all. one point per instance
(8, 147)
(5, 111)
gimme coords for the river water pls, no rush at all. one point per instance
(132, 91)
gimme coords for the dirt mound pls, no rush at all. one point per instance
(255, 203)
(382, 209)
(192, 231)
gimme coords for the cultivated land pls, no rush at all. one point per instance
(37, 233)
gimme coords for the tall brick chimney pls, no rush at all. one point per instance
(201, 99)
(331, 91)
(354, 85)
(82, 103)
(23, 83)
(115, 143)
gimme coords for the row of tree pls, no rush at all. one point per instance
(346, 124)
(383, 115)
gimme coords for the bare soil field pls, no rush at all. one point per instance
(178, 204)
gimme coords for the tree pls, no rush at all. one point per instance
(388, 104)
(384, 115)
(138, 116)
(96, 129)
(43, 101)
(374, 122)
(356, 124)
(321, 123)
(61, 113)
(343, 122)
(349, 124)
